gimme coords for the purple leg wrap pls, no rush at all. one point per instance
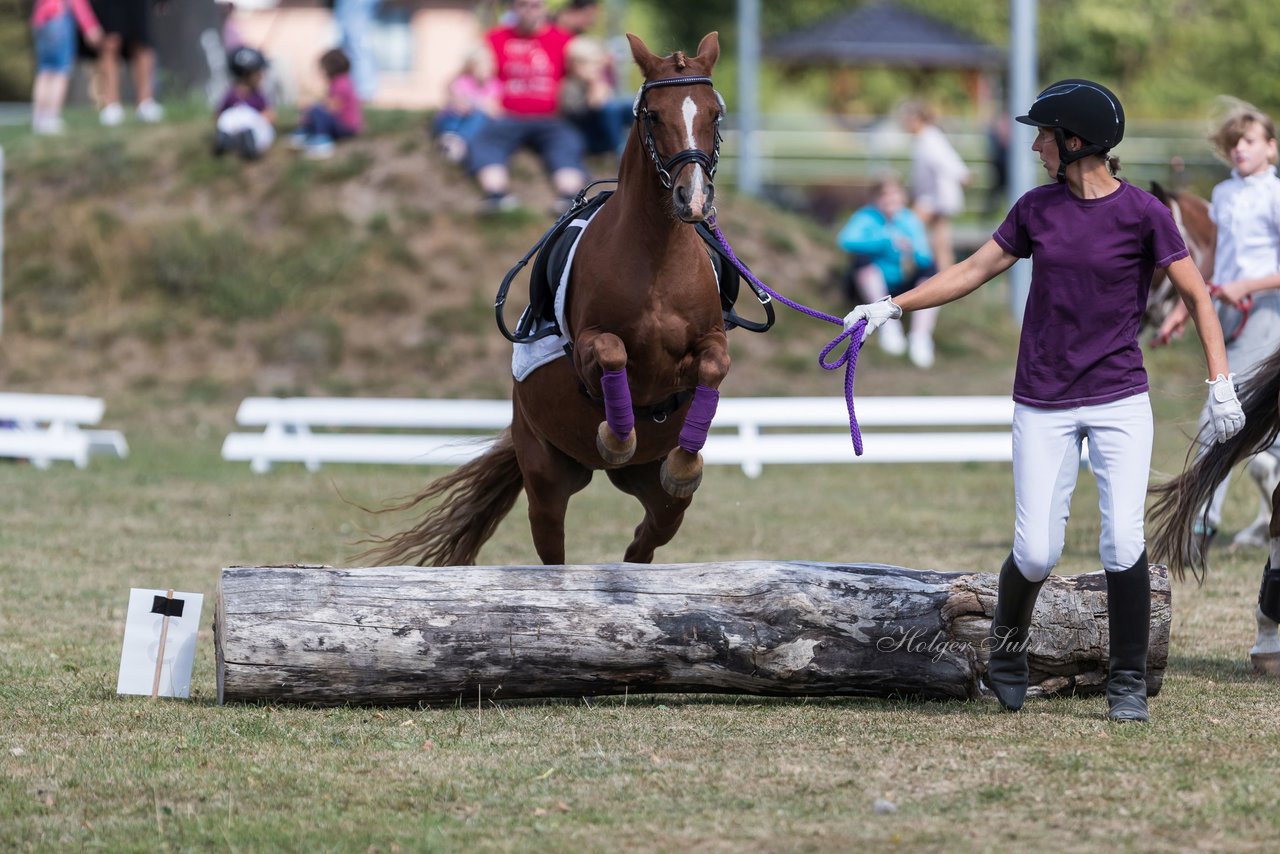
(618, 413)
(698, 422)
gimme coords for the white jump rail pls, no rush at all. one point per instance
(43, 428)
(819, 431)
(748, 432)
(288, 436)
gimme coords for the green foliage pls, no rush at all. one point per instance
(16, 59)
(315, 341)
(1166, 59)
(211, 268)
(218, 270)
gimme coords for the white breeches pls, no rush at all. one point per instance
(1046, 463)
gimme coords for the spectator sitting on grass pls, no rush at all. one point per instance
(244, 118)
(588, 101)
(474, 96)
(890, 256)
(337, 116)
(529, 56)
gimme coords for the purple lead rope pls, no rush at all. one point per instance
(848, 359)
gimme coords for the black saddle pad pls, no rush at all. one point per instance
(552, 255)
(548, 266)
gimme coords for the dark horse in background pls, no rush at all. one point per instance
(636, 394)
(1178, 502)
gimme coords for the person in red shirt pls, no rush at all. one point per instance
(529, 56)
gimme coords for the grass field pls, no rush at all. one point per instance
(85, 769)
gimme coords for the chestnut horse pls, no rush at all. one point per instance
(637, 393)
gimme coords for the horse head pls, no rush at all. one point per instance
(678, 114)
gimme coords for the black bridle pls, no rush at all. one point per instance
(671, 166)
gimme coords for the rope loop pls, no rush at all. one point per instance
(848, 359)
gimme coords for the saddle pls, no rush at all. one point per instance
(551, 255)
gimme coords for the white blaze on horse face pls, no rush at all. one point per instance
(697, 180)
(690, 111)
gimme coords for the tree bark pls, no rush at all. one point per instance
(411, 635)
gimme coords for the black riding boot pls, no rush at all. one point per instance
(1129, 619)
(1007, 670)
(1269, 593)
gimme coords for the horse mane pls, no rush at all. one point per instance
(680, 59)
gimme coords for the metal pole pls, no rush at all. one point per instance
(1022, 90)
(748, 108)
(615, 38)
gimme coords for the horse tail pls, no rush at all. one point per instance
(476, 496)
(1179, 501)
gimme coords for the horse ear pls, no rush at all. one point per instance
(644, 57)
(709, 49)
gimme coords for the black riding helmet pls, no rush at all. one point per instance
(1079, 108)
(245, 61)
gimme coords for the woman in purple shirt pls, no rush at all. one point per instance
(1095, 242)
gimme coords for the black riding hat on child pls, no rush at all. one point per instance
(245, 61)
(1078, 108)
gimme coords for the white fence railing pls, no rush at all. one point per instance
(748, 432)
(47, 427)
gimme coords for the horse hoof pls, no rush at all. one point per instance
(681, 481)
(613, 450)
(1265, 663)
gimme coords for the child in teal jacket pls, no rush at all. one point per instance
(891, 255)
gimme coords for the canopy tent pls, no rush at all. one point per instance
(891, 35)
(887, 34)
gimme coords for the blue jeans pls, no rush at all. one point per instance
(318, 121)
(464, 126)
(354, 18)
(55, 44)
(604, 130)
(553, 139)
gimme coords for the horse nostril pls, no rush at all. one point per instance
(682, 195)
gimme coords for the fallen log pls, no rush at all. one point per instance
(412, 635)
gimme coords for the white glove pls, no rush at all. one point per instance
(1224, 407)
(875, 313)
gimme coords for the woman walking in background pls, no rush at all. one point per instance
(938, 178)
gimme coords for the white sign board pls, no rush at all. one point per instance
(159, 643)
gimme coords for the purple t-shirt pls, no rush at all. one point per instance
(1093, 262)
(233, 98)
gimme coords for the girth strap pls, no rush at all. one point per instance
(656, 412)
